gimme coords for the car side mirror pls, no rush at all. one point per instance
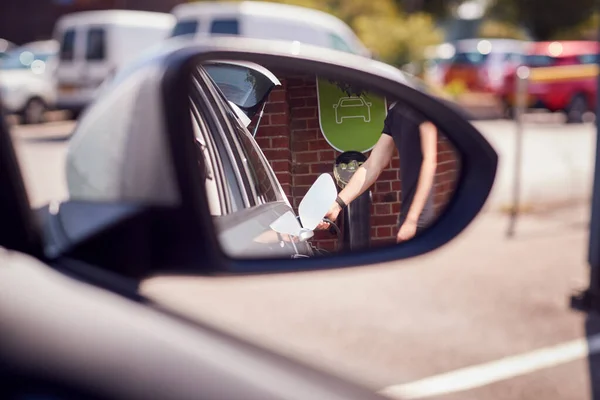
(132, 166)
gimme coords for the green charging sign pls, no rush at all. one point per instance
(349, 122)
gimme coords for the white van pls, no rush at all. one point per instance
(95, 43)
(264, 20)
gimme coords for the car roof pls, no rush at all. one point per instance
(119, 17)
(498, 45)
(309, 16)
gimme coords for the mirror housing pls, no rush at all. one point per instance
(179, 234)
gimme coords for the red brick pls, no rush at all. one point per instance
(395, 162)
(276, 108)
(294, 103)
(284, 177)
(280, 166)
(277, 96)
(280, 142)
(273, 130)
(298, 124)
(276, 154)
(383, 232)
(383, 220)
(304, 113)
(319, 144)
(396, 186)
(312, 101)
(287, 189)
(327, 155)
(308, 157)
(279, 119)
(300, 146)
(388, 175)
(383, 209)
(302, 180)
(395, 208)
(302, 92)
(301, 169)
(305, 135)
(313, 124)
(383, 187)
(263, 142)
(321, 168)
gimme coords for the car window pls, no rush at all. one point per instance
(262, 178)
(185, 27)
(225, 26)
(67, 46)
(539, 60)
(231, 184)
(96, 44)
(339, 44)
(239, 84)
(470, 58)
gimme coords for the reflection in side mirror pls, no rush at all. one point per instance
(316, 203)
(318, 126)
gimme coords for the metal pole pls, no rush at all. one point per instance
(262, 112)
(520, 108)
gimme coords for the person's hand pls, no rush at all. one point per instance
(407, 231)
(332, 215)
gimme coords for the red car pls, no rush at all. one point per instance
(569, 86)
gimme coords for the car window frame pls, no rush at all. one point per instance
(213, 159)
(238, 129)
(218, 128)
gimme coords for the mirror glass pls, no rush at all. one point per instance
(305, 147)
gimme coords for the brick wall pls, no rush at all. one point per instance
(290, 136)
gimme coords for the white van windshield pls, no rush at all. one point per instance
(185, 28)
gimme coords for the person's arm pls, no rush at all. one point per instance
(428, 133)
(364, 177)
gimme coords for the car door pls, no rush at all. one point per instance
(251, 196)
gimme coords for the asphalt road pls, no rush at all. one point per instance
(412, 327)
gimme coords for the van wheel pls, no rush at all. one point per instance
(577, 109)
(34, 112)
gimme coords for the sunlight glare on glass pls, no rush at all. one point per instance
(38, 67)
(446, 51)
(26, 58)
(484, 47)
(555, 49)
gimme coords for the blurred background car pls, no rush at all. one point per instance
(5, 46)
(94, 43)
(264, 20)
(566, 78)
(26, 81)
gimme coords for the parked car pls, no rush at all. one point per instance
(75, 312)
(482, 65)
(26, 80)
(563, 77)
(5, 46)
(266, 20)
(93, 44)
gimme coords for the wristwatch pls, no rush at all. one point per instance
(340, 202)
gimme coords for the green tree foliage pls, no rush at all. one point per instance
(543, 18)
(501, 30)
